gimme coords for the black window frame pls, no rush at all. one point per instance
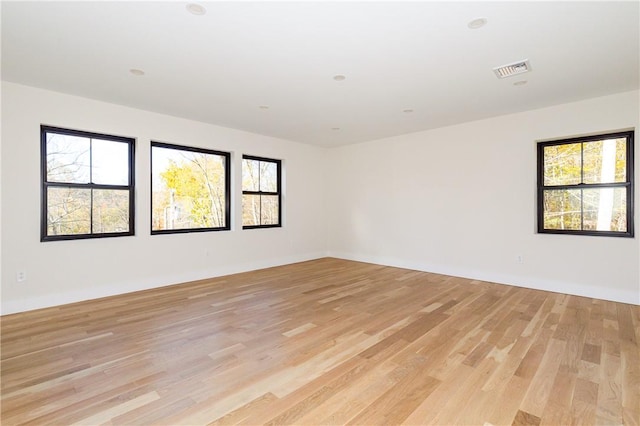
(227, 187)
(628, 184)
(45, 184)
(278, 192)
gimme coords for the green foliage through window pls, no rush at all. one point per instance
(585, 185)
(190, 189)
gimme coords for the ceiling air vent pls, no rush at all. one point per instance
(512, 69)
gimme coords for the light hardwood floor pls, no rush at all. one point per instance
(325, 342)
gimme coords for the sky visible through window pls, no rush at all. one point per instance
(86, 185)
(68, 160)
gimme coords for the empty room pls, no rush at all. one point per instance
(314, 213)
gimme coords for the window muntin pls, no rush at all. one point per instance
(261, 192)
(87, 185)
(585, 185)
(190, 189)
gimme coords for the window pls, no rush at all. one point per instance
(261, 193)
(87, 185)
(190, 189)
(585, 185)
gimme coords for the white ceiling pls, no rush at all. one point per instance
(220, 67)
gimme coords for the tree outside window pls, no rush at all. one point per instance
(190, 189)
(585, 185)
(87, 185)
(261, 192)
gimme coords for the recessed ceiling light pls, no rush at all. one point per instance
(264, 107)
(520, 83)
(339, 77)
(477, 23)
(407, 111)
(196, 9)
(136, 71)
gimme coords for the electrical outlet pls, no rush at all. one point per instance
(21, 276)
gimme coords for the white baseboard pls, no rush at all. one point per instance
(575, 289)
(29, 304)
(48, 301)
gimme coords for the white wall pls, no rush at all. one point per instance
(66, 271)
(461, 200)
(458, 200)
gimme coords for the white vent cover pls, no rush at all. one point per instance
(512, 69)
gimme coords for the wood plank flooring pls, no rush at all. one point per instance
(325, 342)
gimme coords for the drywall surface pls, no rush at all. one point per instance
(458, 200)
(67, 271)
(461, 200)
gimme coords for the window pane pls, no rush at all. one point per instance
(188, 189)
(250, 210)
(269, 210)
(250, 175)
(67, 158)
(605, 161)
(268, 176)
(562, 164)
(110, 211)
(68, 211)
(605, 209)
(110, 162)
(562, 209)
